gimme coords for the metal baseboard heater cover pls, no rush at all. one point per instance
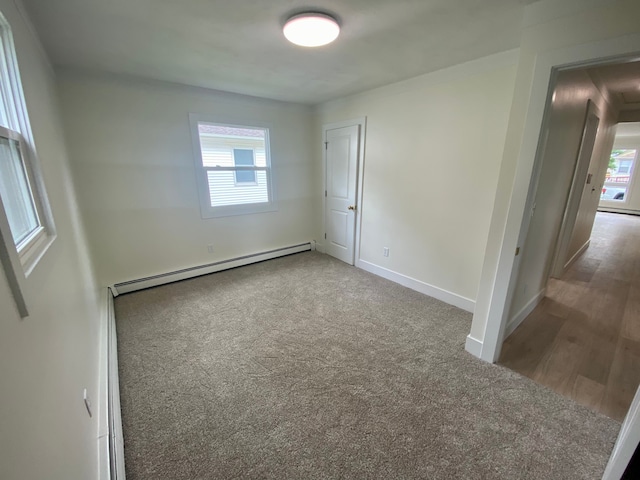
(164, 278)
(116, 439)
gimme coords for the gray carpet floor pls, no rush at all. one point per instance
(305, 368)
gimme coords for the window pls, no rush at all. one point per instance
(233, 167)
(619, 171)
(26, 227)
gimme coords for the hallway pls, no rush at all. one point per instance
(583, 340)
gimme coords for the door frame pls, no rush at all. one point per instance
(560, 263)
(361, 123)
(626, 443)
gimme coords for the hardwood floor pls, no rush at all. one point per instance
(583, 340)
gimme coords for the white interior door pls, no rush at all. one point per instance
(341, 187)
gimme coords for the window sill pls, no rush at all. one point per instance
(232, 210)
(18, 263)
(33, 248)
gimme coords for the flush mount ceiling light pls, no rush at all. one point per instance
(311, 29)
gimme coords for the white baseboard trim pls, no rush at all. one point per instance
(618, 210)
(473, 346)
(116, 439)
(170, 277)
(104, 465)
(422, 287)
(523, 313)
(576, 255)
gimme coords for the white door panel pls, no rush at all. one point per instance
(339, 152)
(339, 225)
(341, 182)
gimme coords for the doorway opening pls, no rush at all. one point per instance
(620, 190)
(499, 279)
(574, 308)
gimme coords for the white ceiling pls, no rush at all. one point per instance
(238, 46)
(631, 129)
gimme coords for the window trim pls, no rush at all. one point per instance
(206, 210)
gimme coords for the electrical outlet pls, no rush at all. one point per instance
(385, 251)
(210, 248)
(87, 402)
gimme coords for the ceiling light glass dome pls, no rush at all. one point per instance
(311, 29)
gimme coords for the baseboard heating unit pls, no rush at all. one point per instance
(161, 279)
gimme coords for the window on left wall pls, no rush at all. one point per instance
(26, 226)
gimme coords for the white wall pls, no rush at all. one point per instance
(132, 156)
(48, 358)
(562, 32)
(567, 114)
(432, 156)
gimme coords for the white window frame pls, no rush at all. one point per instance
(206, 210)
(20, 260)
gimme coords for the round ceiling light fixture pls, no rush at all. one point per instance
(311, 29)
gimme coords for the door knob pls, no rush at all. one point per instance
(352, 207)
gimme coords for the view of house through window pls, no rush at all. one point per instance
(236, 163)
(244, 157)
(619, 171)
(15, 191)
